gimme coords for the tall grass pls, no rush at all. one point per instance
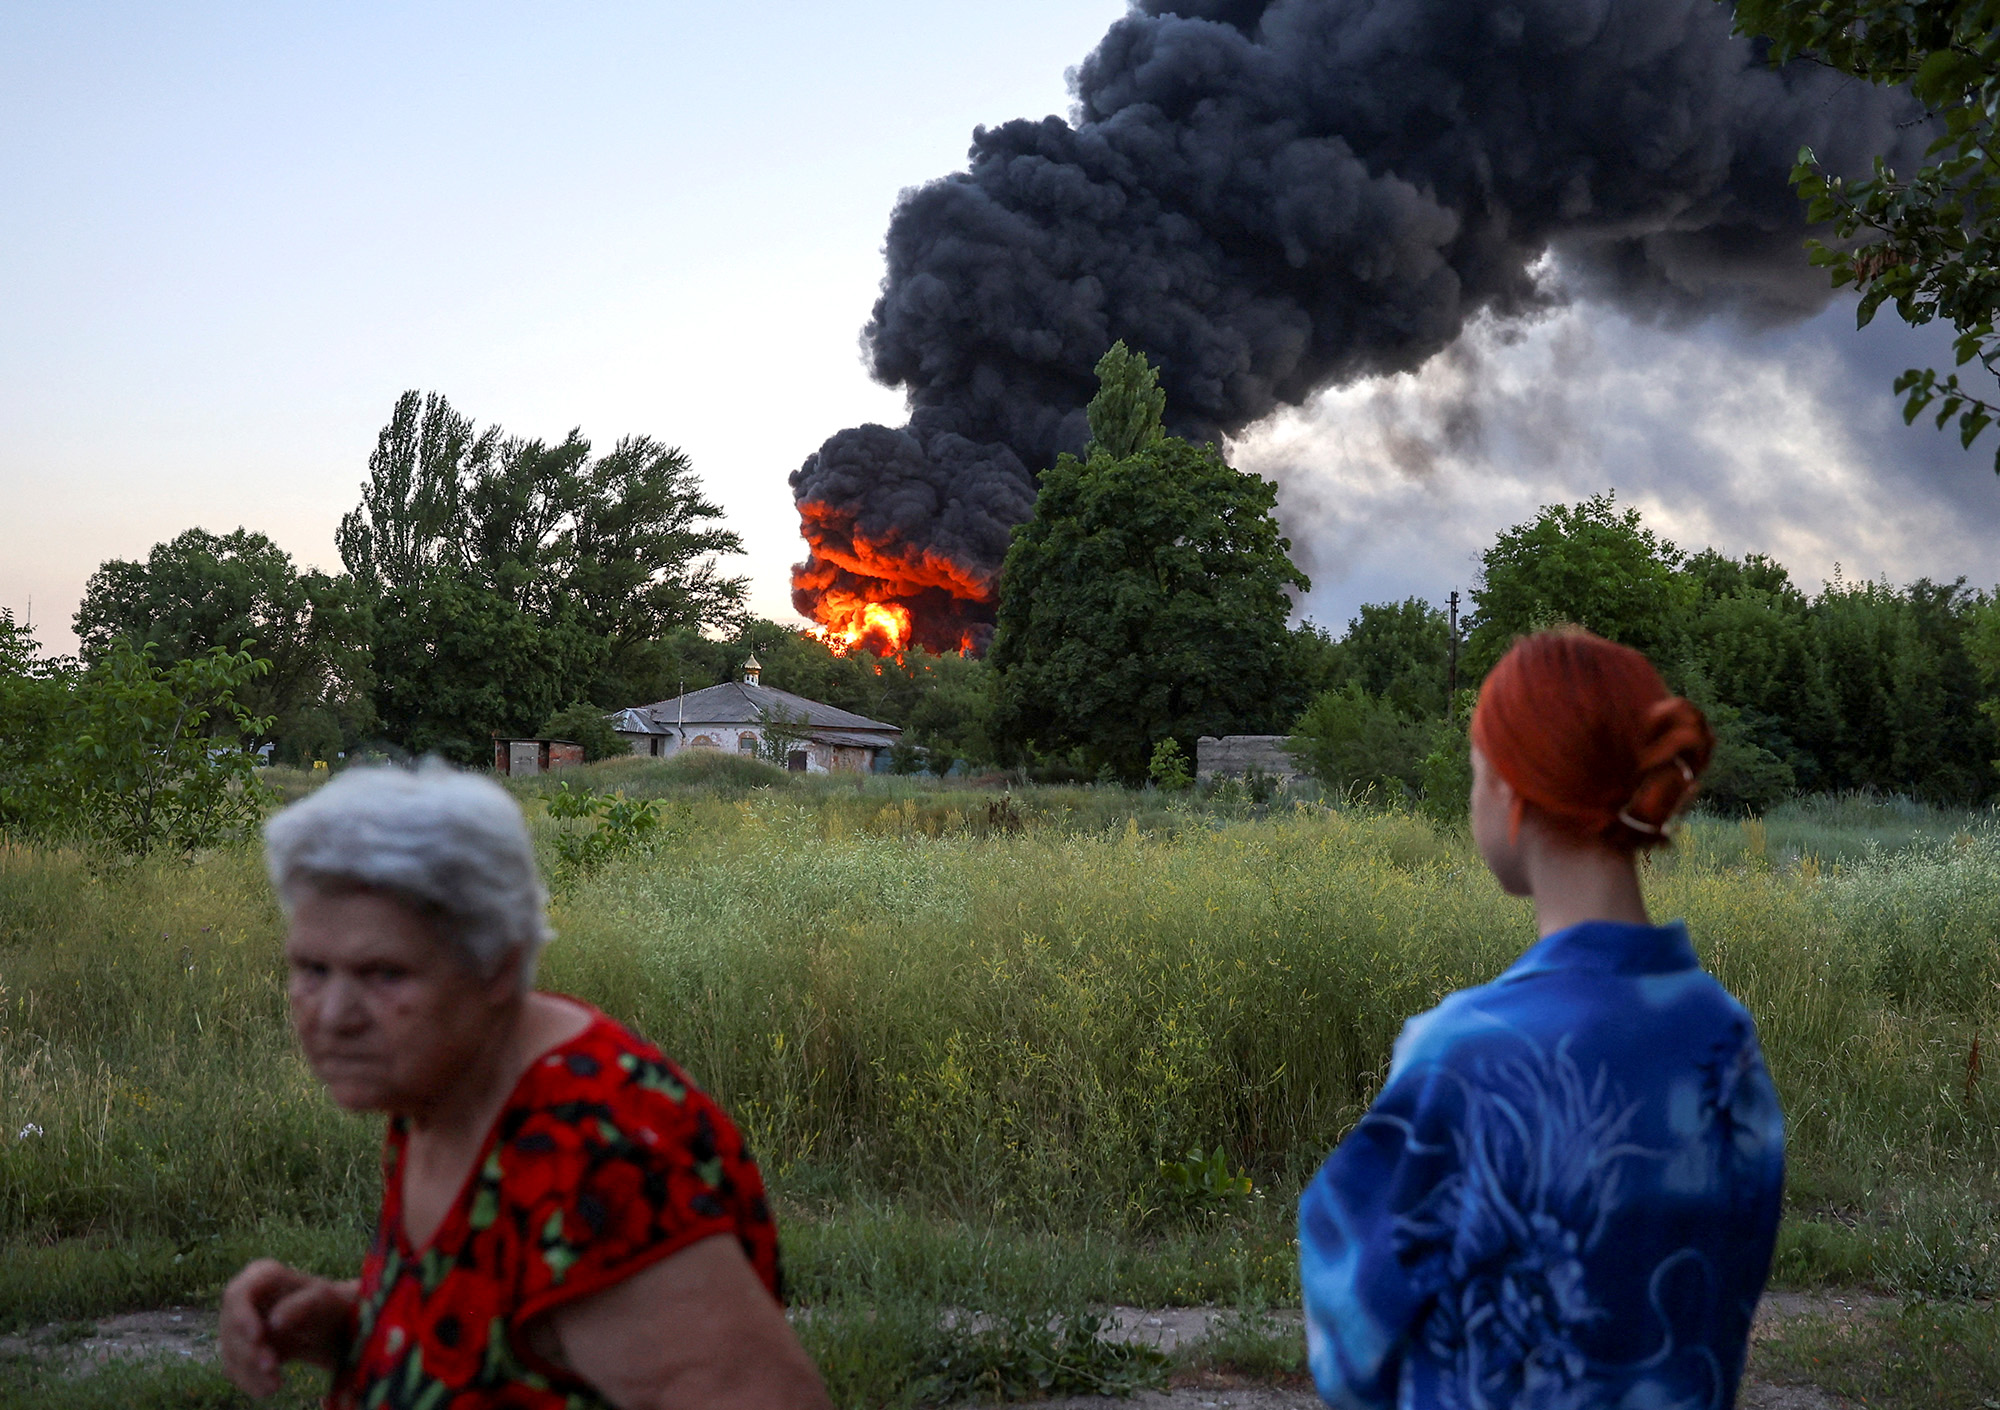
(980, 1016)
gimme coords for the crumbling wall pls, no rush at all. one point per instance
(1238, 754)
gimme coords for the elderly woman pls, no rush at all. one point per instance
(566, 1221)
(1568, 1191)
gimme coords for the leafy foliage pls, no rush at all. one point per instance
(1349, 739)
(1590, 563)
(1169, 767)
(585, 724)
(779, 731)
(34, 702)
(200, 591)
(1145, 598)
(1126, 413)
(1930, 239)
(1204, 1180)
(131, 756)
(1398, 652)
(160, 759)
(1861, 687)
(599, 827)
(1032, 1355)
(456, 663)
(560, 568)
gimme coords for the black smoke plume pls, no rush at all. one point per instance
(1268, 198)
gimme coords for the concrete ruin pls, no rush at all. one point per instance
(1236, 755)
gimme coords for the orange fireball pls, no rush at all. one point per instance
(847, 621)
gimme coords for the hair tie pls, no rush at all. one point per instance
(1660, 829)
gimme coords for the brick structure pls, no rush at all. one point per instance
(525, 758)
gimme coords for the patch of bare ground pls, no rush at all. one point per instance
(189, 1333)
(186, 1333)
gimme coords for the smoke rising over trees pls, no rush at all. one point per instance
(1266, 199)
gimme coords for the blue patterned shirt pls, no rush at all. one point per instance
(1565, 1197)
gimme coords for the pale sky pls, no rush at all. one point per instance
(233, 234)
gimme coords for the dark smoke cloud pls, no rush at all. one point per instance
(1270, 198)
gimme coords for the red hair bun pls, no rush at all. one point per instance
(1586, 732)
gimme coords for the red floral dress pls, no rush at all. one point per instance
(604, 1160)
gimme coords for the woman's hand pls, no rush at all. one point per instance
(272, 1314)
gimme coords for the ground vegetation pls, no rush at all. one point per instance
(1004, 1053)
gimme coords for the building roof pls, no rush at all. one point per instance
(740, 703)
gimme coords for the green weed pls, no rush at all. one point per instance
(1926, 1356)
(972, 1033)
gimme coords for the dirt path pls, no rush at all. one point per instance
(190, 1333)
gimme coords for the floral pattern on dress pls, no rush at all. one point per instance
(604, 1160)
(1565, 1197)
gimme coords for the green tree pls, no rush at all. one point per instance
(1930, 239)
(571, 567)
(1590, 564)
(1982, 647)
(1445, 775)
(1906, 691)
(780, 730)
(457, 663)
(1398, 652)
(200, 591)
(157, 757)
(1125, 415)
(1352, 740)
(1751, 662)
(35, 694)
(1146, 598)
(585, 724)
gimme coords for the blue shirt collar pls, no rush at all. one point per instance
(1609, 947)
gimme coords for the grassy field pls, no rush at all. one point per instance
(966, 1028)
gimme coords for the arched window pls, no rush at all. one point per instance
(746, 743)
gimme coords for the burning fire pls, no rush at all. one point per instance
(847, 621)
(883, 597)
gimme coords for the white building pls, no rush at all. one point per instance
(814, 737)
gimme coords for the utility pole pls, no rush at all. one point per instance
(1451, 664)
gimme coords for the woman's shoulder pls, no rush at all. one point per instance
(607, 1071)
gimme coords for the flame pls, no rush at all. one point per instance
(886, 597)
(848, 620)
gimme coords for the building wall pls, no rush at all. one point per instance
(1238, 754)
(819, 758)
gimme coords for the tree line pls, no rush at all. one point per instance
(1860, 686)
(501, 585)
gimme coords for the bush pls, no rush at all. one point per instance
(1446, 772)
(1169, 768)
(1349, 739)
(585, 724)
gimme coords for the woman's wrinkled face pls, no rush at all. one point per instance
(1492, 821)
(389, 1014)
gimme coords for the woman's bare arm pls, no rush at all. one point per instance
(695, 1331)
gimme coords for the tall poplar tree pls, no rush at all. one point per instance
(1146, 598)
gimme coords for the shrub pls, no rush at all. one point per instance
(1169, 768)
(1349, 739)
(585, 724)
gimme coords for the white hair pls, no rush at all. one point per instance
(451, 844)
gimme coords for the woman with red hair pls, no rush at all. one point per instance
(1568, 1191)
